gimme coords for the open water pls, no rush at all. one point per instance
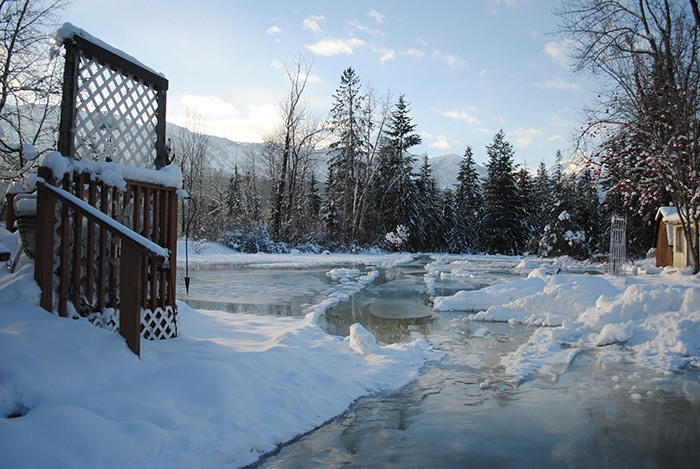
(462, 412)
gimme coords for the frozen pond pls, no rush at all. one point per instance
(462, 411)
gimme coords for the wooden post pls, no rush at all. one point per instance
(45, 232)
(66, 143)
(161, 151)
(130, 295)
(10, 217)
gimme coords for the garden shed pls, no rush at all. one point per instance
(671, 245)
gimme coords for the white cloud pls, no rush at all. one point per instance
(468, 115)
(416, 53)
(557, 83)
(329, 47)
(385, 55)
(311, 23)
(494, 5)
(562, 122)
(222, 118)
(365, 29)
(273, 30)
(508, 3)
(450, 59)
(441, 143)
(376, 16)
(277, 64)
(314, 78)
(525, 137)
(209, 105)
(557, 52)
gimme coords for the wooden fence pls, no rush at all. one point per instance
(111, 268)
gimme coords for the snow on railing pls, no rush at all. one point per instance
(106, 253)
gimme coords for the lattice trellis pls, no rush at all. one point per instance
(87, 258)
(618, 244)
(112, 109)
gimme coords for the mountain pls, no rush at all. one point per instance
(226, 154)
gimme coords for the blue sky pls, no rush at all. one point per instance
(468, 68)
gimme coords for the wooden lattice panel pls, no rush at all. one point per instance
(115, 116)
(113, 108)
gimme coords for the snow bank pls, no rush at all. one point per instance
(228, 389)
(650, 320)
(201, 254)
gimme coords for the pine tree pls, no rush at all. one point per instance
(396, 202)
(450, 225)
(565, 229)
(526, 190)
(234, 203)
(346, 162)
(588, 210)
(504, 229)
(468, 205)
(426, 227)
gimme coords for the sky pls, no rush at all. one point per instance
(468, 68)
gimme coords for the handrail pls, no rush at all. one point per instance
(130, 266)
(156, 252)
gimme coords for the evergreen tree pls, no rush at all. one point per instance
(468, 205)
(566, 230)
(346, 163)
(526, 189)
(542, 203)
(234, 203)
(427, 226)
(448, 240)
(396, 202)
(313, 199)
(504, 228)
(587, 210)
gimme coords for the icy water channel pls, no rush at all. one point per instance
(462, 412)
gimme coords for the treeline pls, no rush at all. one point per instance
(377, 195)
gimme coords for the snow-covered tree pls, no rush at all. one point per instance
(192, 148)
(294, 142)
(347, 161)
(396, 201)
(449, 241)
(427, 226)
(504, 228)
(645, 124)
(468, 205)
(526, 190)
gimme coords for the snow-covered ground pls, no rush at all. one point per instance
(650, 319)
(228, 389)
(232, 387)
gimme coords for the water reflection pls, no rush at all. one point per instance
(462, 411)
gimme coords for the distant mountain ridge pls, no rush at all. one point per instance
(227, 154)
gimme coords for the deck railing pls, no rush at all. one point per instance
(108, 254)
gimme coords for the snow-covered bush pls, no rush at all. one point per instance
(254, 239)
(398, 237)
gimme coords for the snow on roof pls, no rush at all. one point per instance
(668, 214)
(68, 32)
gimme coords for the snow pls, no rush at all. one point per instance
(651, 320)
(155, 249)
(112, 174)
(67, 32)
(229, 388)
